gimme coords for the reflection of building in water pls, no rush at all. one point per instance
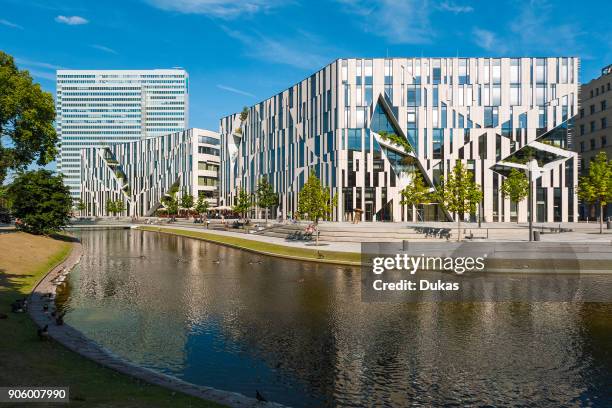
(301, 334)
(117, 299)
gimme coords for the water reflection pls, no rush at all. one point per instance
(300, 334)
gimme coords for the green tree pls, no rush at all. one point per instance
(187, 201)
(115, 207)
(458, 193)
(79, 205)
(315, 201)
(266, 197)
(415, 193)
(201, 206)
(516, 186)
(41, 201)
(596, 187)
(171, 202)
(111, 207)
(26, 120)
(119, 206)
(244, 203)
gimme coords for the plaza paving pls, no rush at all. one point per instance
(488, 232)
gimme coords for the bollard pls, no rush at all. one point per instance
(405, 245)
(609, 224)
(536, 235)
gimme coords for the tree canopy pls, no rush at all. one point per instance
(171, 201)
(266, 197)
(516, 186)
(27, 113)
(115, 206)
(417, 192)
(459, 194)
(187, 201)
(244, 202)
(201, 205)
(315, 201)
(41, 200)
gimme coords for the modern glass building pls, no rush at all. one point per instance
(364, 126)
(98, 107)
(140, 173)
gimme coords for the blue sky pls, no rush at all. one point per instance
(240, 52)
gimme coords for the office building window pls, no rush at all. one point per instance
(463, 71)
(604, 141)
(496, 69)
(540, 72)
(592, 126)
(491, 116)
(515, 94)
(540, 94)
(414, 95)
(604, 123)
(592, 144)
(436, 72)
(515, 71)
(496, 95)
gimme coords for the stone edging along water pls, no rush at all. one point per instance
(71, 338)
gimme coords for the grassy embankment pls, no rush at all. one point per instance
(25, 360)
(306, 254)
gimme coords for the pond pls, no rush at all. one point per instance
(299, 333)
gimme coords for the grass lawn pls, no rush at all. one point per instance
(27, 361)
(350, 258)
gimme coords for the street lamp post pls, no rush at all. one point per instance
(530, 209)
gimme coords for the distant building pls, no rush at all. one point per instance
(364, 126)
(101, 107)
(593, 124)
(140, 173)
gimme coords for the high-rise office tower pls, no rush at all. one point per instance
(102, 107)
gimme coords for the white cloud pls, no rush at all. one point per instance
(235, 90)
(42, 74)
(10, 24)
(455, 8)
(226, 9)
(38, 64)
(104, 48)
(400, 22)
(487, 40)
(303, 51)
(533, 32)
(71, 20)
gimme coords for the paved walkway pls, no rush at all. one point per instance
(44, 294)
(324, 246)
(498, 232)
